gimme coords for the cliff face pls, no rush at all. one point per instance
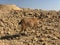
(9, 7)
(6, 8)
(47, 31)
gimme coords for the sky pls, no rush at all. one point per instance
(37, 4)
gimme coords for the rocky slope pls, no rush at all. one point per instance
(46, 33)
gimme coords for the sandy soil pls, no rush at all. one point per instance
(47, 31)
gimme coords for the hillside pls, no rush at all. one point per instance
(47, 31)
(6, 8)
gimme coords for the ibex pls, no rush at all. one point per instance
(29, 22)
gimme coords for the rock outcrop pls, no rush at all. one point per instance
(47, 31)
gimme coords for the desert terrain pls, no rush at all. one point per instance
(46, 32)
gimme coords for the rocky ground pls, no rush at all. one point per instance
(46, 33)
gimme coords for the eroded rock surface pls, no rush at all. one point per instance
(47, 31)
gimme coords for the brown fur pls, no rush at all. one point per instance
(29, 22)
